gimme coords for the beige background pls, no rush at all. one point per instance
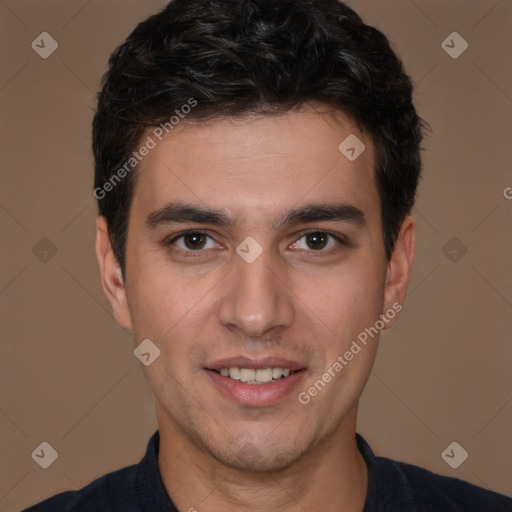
(68, 373)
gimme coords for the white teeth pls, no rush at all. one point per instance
(277, 372)
(234, 373)
(264, 375)
(246, 374)
(251, 376)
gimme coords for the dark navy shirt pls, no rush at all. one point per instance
(392, 487)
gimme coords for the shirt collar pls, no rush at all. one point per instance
(388, 488)
(150, 488)
(386, 483)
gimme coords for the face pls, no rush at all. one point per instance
(255, 259)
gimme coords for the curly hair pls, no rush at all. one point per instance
(236, 57)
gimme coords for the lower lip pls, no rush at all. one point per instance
(256, 395)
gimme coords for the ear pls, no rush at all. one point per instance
(111, 276)
(399, 270)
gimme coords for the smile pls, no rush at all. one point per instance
(258, 382)
(256, 376)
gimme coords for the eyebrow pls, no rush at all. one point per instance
(176, 212)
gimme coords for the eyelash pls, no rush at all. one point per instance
(190, 252)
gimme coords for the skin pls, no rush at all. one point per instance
(295, 301)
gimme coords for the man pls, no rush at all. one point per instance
(256, 163)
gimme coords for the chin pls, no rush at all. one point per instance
(257, 457)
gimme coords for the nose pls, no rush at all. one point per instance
(255, 298)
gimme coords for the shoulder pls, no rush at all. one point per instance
(431, 491)
(395, 485)
(113, 492)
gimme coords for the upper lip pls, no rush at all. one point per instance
(255, 364)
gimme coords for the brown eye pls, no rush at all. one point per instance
(319, 241)
(316, 240)
(194, 240)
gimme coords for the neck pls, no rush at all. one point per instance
(331, 476)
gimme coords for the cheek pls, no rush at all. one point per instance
(172, 309)
(345, 300)
(350, 307)
(160, 307)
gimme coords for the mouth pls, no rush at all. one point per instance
(256, 376)
(252, 382)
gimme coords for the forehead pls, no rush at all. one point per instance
(264, 162)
